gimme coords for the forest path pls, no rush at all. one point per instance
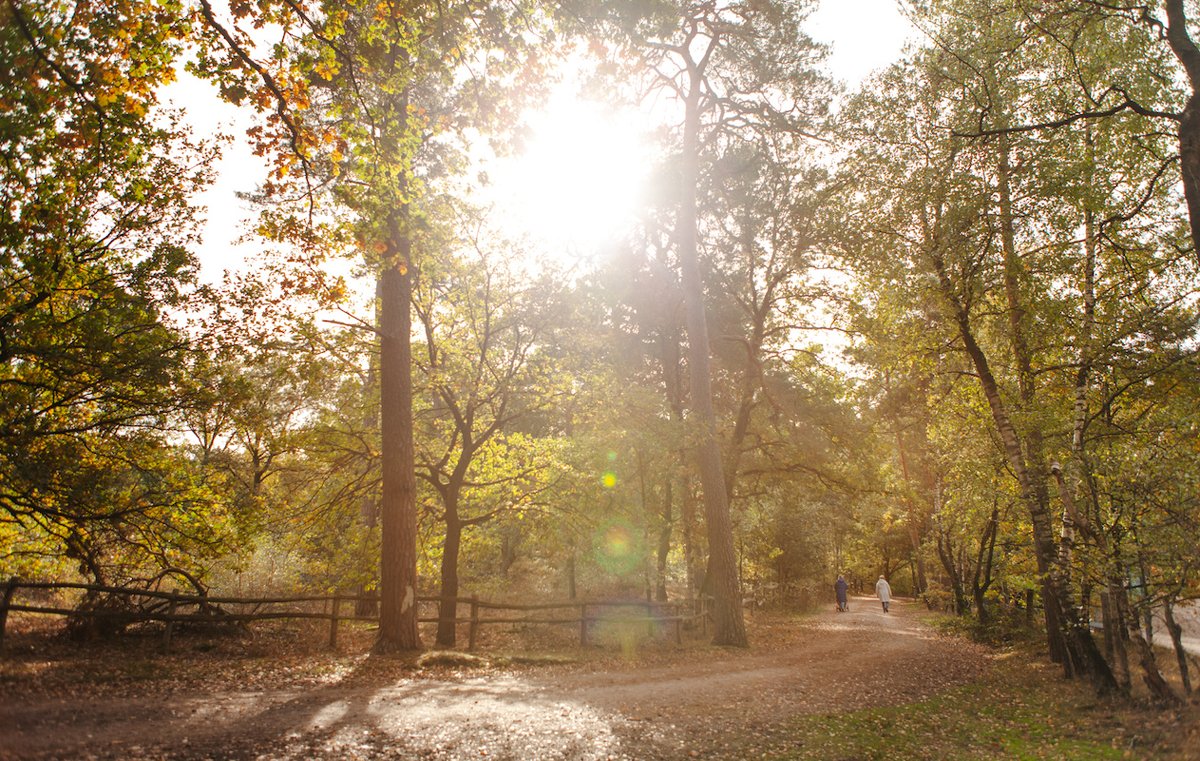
(718, 704)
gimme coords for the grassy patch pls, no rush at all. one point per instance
(1020, 710)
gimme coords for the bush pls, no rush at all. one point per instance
(938, 599)
(1005, 627)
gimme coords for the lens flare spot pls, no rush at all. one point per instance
(617, 548)
(608, 480)
(617, 541)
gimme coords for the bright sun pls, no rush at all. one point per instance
(579, 180)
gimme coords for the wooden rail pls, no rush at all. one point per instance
(166, 607)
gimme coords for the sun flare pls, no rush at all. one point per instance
(578, 182)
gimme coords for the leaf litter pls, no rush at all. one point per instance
(285, 697)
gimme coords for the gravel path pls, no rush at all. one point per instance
(720, 704)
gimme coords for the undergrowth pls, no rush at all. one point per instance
(1004, 629)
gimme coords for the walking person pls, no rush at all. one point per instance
(840, 589)
(884, 591)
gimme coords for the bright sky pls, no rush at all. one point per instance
(865, 35)
(575, 186)
(238, 171)
(576, 183)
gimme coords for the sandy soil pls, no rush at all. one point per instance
(714, 704)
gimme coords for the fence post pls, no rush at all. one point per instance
(333, 622)
(170, 627)
(583, 622)
(9, 588)
(474, 629)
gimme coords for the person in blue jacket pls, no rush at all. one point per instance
(840, 589)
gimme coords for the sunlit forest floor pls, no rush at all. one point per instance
(859, 685)
(1021, 709)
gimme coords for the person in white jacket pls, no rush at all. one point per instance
(884, 590)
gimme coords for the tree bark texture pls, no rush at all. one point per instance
(1118, 594)
(398, 504)
(1032, 487)
(1114, 638)
(728, 625)
(448, 605)
(1188, 55)
(1181, 656)
(1152, 676)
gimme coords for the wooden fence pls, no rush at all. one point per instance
(172, 608)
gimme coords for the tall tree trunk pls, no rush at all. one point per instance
(1024, 457)
(450, 491)
(1186, 52)
(1076, 647)
(728, 626)
(1151, 674)
(1114, 638)
(1181, 656)
(448, 604)
(398, 505)
(1078, 462)
(1056, 575)
(1118, 594)
(751, 382)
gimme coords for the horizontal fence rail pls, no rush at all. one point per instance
(171, 608)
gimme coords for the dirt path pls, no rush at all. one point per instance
(729, 705)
